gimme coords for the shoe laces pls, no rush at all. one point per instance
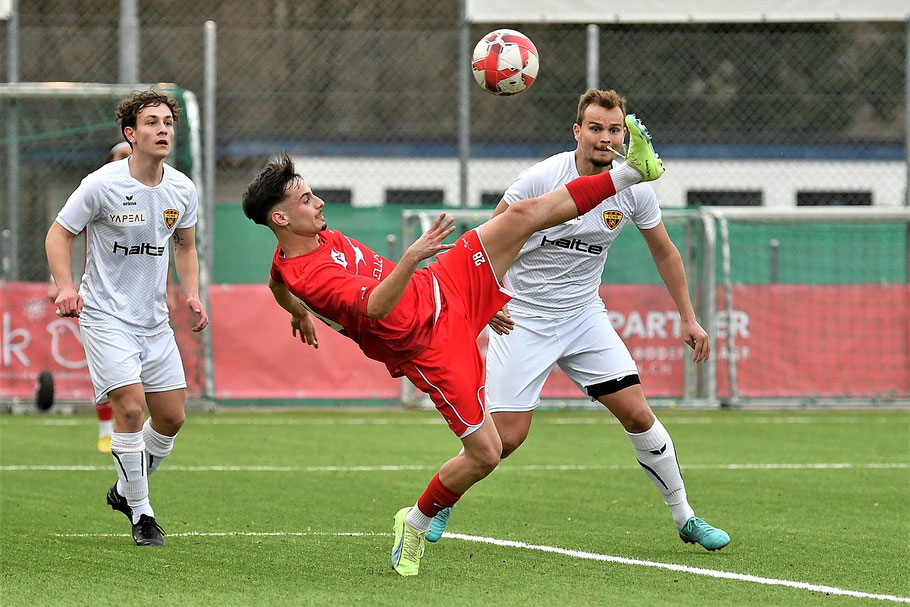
(148, 524)
(413, 545)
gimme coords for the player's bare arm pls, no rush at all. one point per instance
(670, 267)
(187, 262)
(502, 322)
(387, 294)
(301, 320)
(59, 246)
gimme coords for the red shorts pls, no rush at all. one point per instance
(451, 369)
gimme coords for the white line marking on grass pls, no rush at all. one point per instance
(229, 420)
(683, 568)
(535, 468)
(579, 554)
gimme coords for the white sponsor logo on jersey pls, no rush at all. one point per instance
(339, 258)
(131, 218)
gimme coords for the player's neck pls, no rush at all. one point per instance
(294, 244)
(146, 169)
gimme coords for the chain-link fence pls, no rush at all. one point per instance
(365, 95)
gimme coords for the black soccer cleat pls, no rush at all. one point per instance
(147, 532)
(118, 503)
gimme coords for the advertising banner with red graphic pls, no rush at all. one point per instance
(790, 341)
(34, 339)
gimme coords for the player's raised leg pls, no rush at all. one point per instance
(504, 235)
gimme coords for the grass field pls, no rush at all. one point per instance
(295, 508)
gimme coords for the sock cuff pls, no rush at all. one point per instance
(652, 438)
(159, 445)
(127, 442)
(590, 190)
(104, 411)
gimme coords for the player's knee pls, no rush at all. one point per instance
(510, 444)
(637, 420)
(170, 421)
(486, 459)
(130, 415)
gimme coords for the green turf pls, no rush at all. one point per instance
(842, 527)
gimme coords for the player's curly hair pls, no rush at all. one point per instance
(268, 189)
(131, 106)
(605, 99)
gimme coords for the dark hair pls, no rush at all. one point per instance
(131, 106)
(268, 189)
(605, 99)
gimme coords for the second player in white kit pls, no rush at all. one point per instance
(556, 315)
(131, 211)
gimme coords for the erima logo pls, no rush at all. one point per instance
(129, 202)
(574, 245)
(133, 218)
(145, 248)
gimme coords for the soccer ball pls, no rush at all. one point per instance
(505, 62)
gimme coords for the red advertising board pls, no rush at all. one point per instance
(790, 341)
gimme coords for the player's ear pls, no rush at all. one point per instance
(279, 217)
(128, 133)
(576, 130)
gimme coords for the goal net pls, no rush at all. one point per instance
(53, 135)
(804, 307)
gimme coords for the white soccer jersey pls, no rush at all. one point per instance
(128, 227)
(557, 273)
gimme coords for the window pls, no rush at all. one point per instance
(414, 197)
(334, 196)
(490, 199)
(721, 198)
(825, 199)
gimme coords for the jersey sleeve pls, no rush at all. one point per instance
(275, 274)
(647, 210)
(188, 217)
(82, 206)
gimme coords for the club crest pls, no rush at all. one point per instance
(612, 218)
(170, 217)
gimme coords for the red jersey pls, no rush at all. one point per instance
(334, 282)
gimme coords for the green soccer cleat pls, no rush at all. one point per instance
(697, 530)
(438, 526)
(641, 155)
(408, 546)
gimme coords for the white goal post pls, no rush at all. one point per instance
(54, 134)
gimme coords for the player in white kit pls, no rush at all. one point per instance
(557, 316)
(130, 210)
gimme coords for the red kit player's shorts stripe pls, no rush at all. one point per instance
(451, 370)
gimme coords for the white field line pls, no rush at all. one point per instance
(434, 421)
(591, 556)
(505, 468)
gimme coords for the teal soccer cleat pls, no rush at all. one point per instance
(697, 530)
(438, 526)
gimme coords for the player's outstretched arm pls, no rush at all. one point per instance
(59, 245)
(670, 267)
(187, 262)
(301, 320)
(387, 294)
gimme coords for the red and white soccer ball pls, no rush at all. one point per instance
(505, 62)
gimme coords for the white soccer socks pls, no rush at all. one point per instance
(128, 450)
(157, 446)
(654, 451)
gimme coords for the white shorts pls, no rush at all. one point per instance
(586, 347)
(117, 357)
